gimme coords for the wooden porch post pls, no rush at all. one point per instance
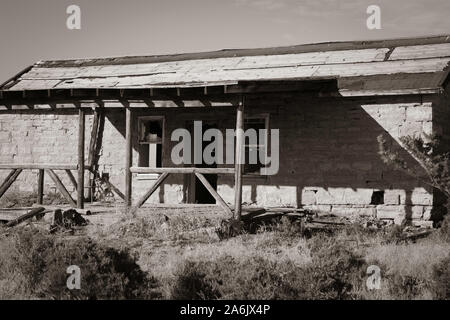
(238, 160)
(128, 158)
(80, 186)
(40, 197)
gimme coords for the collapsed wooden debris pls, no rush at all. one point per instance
(67, 219)
(307, 221)
(60, 219)
(31, 214)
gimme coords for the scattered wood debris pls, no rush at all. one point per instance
(32, 213)
(253, 218)
(68, 219)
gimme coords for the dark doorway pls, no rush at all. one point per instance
(197, 191)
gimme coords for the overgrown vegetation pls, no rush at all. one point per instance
(175, 258)
(33, 265)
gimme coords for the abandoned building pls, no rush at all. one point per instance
(74, 120)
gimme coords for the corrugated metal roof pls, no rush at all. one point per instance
(374, 65)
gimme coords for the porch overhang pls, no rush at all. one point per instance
(160, 96)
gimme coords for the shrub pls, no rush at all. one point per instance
(394, 234)
(441, 279)
(335, 270)
(332, 275)
(41, 262)
(444, 231)
(406, 287)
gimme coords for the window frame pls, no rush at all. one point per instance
(266, 117)
(141, 120)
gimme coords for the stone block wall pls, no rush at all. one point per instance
(329, 157)
(39, 137)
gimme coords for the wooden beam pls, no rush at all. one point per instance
(128, 157)
(7, 183)
(40, 195)
(10, 174)
(34, 166)
(147, 195)
(239, 154)
(116, 190)
(81, 129)
(183, 170)
(93, 141)
(214, 193)
(33, 212)
(72, 179)
(60, 187)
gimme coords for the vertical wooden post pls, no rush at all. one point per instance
(128, 157)
(40, 196)
(80, 186)
(238, 160)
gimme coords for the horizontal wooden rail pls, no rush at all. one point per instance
(39, 166)
(184, 170)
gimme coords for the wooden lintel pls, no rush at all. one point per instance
(183, 170)
(35, 166)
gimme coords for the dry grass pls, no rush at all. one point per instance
(165, 238)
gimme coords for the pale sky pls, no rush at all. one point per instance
(33, 30)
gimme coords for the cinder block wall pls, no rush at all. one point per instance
(328, 152)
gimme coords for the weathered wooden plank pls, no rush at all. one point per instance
(147, 195)
(7, 183)
(81, 132)
(183, 170)
(150, 103)
(60, 186)
(214, 193)
(248, 72)
(207, 65)
(34, 212)
(421, 52)
(34, 166)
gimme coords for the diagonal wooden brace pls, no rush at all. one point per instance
(61, 187)
(214, 193)
(147, 195)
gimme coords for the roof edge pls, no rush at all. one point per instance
(227, 53)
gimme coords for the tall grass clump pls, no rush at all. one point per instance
(34, 264)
